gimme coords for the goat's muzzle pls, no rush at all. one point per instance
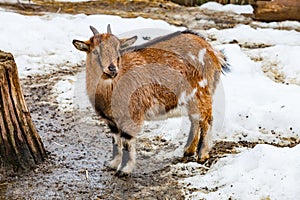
(111, 71)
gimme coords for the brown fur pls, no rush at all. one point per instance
(153, 81)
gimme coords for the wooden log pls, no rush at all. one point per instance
(189, 2)
(200, 2)
(21, 147)
(276, 10)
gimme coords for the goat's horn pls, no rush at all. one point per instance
(94, 30)
(108, 29)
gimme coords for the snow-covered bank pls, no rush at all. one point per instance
(257, 107)
(265, 172)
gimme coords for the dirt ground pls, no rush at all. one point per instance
(78, 148)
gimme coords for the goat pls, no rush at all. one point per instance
(128, 86)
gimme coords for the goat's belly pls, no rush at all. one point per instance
(158, 113)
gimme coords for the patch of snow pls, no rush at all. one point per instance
(173, 130)
(259, 173)
(239, 9)
(278, 25)
(46, 41)
(65, 91)
(256, 107)
(9, 1)
(282, 58)
(187, 169)
(245, 34)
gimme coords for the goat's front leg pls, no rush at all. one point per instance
(117, 151)
(129, 154)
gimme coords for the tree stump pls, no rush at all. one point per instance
(21, 147)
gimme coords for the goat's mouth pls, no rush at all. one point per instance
(111, 71)
(111, 74)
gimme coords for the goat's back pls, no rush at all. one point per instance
(151, 82)
(194, 49)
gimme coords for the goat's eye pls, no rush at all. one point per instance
(95, 52)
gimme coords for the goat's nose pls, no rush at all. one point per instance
(112, 68)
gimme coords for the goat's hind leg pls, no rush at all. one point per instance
(205, 143)
(194, 135)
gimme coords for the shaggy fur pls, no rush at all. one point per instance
(177, 71)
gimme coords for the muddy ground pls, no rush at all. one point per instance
(78, 142)
(77, 150)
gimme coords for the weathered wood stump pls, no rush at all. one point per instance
(21, 147)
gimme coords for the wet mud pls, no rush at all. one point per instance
(77, 150)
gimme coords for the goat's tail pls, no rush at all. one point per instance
(224, 63)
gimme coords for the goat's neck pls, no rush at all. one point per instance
(93, 76)
(99, 88)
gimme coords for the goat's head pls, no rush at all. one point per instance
(103, 50)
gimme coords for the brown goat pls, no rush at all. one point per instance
(140, 83)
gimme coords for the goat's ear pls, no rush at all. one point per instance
(81, 45)
(126, 42)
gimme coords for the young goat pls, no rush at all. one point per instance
(127, 87)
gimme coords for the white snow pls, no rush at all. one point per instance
(248, 35)
(8, 1)
(283, 58)
(245, 9)
(66, 93)
(248, 105)
(47, 40)
(253, 101)
(14, 1)
(279, 25)
(264, 172)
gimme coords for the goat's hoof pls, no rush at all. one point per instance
(186, 159)
(120, 174)
(202, 159)
(188, 154)
(108, 167)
